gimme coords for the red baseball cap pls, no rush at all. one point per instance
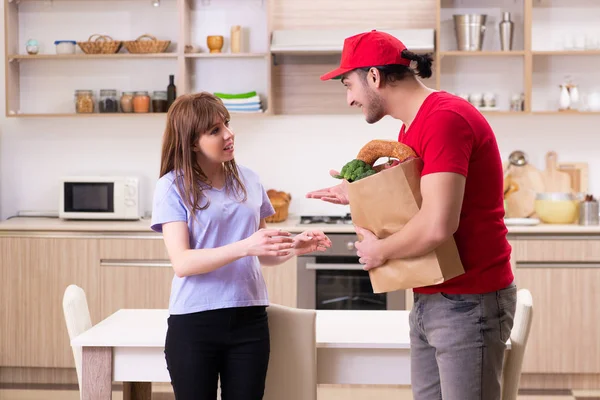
(369, 49)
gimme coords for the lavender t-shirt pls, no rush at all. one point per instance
(225, 221)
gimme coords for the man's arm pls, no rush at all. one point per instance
(434, 223)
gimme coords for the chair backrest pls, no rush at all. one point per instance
(519, 335)
(77, 318)
(292, 373)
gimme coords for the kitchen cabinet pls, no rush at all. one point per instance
(281, 283)
(35, 271)
(563, 277)
(134, 273)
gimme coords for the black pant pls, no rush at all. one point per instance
(232, 343)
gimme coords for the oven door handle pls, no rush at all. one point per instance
(332, 266)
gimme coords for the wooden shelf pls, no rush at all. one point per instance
(91, 115)
(226, 55)
(574, 112)
(511, 53)
(566, 52)
(82, 56)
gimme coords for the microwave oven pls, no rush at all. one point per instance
(99, 197)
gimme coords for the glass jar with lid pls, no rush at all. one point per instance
(108, 101)
(84, 101)
(141, 102)
(127, 102)
(159, 101)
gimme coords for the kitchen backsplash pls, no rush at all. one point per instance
(290, 153)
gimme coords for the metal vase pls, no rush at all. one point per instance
(470, 31)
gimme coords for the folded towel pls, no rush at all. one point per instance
(244, 109)
(249, 100)
(239, 106)
(235, 96)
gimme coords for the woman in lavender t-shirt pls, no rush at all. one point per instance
(211, 213)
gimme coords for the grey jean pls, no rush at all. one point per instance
(458, 343)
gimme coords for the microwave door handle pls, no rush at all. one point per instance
(332, 266)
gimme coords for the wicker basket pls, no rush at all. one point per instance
(281, 204)
(153, 45)
(102, 44)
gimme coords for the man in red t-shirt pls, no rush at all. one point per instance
(459, 328)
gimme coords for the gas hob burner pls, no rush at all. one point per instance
(326, 219)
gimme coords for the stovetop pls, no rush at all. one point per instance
(326, 219)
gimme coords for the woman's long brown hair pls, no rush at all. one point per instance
(190, 116)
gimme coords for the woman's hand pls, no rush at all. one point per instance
(310, 241)
(269, 242)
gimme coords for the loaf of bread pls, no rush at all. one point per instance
(278, 198)
(376, 149)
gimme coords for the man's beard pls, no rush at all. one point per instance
(375, 110)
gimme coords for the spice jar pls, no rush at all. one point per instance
(108, 101)
(84, 101)
(159, 101)
(141, 102)
(127, 102)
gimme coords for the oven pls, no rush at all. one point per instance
(335, 280)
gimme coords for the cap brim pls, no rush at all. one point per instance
(335, 74)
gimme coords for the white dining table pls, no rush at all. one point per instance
(353, 347)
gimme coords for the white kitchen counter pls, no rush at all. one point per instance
(23, 225)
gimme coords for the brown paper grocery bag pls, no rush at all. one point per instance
(383, 203)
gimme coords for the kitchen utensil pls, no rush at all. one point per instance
(589, 211)
(32, 47)
(470, 31)
(556, 207)
(516, 158)
(214, 43)
(578, 171)
(150, 45)
(564, 101)
(507, 28)
(555, 180)
(520, 203)
(236, 38)
(521, 221)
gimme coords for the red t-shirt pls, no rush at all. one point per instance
(450, 135)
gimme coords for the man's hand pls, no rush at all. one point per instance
(336, 194)
(368, 249)
(310, 241)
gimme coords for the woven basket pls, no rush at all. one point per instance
(102, 44)
(281, 204)
(153, 45)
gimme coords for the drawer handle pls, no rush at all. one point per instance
(136, 263)
(558, 264)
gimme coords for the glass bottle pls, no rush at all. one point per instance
(141, 102)
(159, 101)
(171, 91)
(127, 102)
(108, 101)
(84, 101)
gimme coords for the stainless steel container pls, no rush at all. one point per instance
(470, 31)
(589, 213)
(507, 28)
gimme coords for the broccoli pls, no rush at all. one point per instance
(355, 170)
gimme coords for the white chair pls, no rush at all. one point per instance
(77, 318)
(292, 373)
(519, 335)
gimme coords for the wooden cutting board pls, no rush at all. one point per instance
(529, 181)
(578, 171)
(554, 179)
